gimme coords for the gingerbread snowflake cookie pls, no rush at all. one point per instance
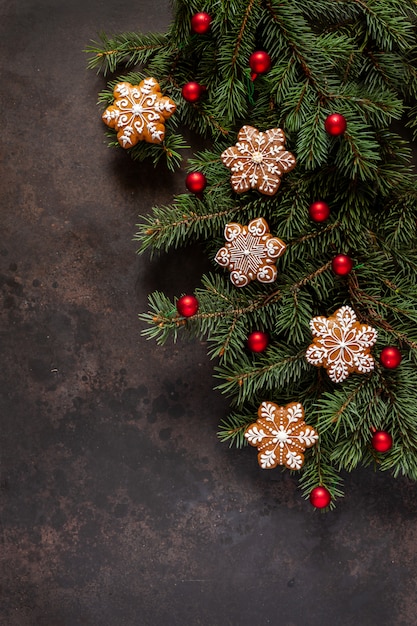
(258, 160)
(281, 435)
(341, 344)
(138, 112)
(250, 252)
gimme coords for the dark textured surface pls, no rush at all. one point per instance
(119, 505)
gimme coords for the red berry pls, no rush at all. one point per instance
(200, 23)
(335, 124)
(320, 497)
(390, 357)
(381, 441)
(258, 341)
(259, 62)
(195, 182)
(319, 211)
(187, 305)
(192, 91)
(342, 265)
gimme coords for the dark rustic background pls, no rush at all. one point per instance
(119, 505)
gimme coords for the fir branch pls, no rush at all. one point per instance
(167, 226)
(128, 49)
(308, 279)
(163, 320)
(281, 369)
(387, 25)
(298, 36)
(318, 471)
(228, 334)
(314, 235)
(232, 429)
(353, 56)
(220, 307)
(332, 406)
(373, 315)
(241, 33)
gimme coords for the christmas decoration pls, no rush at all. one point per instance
(258, 341)
(187, 306)
(332, 62)
(200, 23)
(192, 91)
(342, 264)
(320, 497)
(281, 435)
(390, 357)
(139, 112)
(258, 160)
(381, 441)
(250, 252)
(335, 124)
(341, 344)
(259, 63)
(319, 211)
(196, 182)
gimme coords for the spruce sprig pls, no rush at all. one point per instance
(355, 57)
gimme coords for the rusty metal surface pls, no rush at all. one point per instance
(119, 505)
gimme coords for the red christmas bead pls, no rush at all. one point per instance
(381, 441)
(319, 211)
(200, 23)
(187, 305)
(196, 182)
(335, 124)
(258, 341)
(259, 63)
(320, 497)
(342, 264)
(390, 357)
(192, 91)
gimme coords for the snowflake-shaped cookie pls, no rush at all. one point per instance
(341, 344)
(139, 112)
(281, 435)
(250, 252)
(258, 160)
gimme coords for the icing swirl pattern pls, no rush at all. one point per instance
(341, 344)
(138, 112)
(258, 160)
(281, 435)
(250, 252)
